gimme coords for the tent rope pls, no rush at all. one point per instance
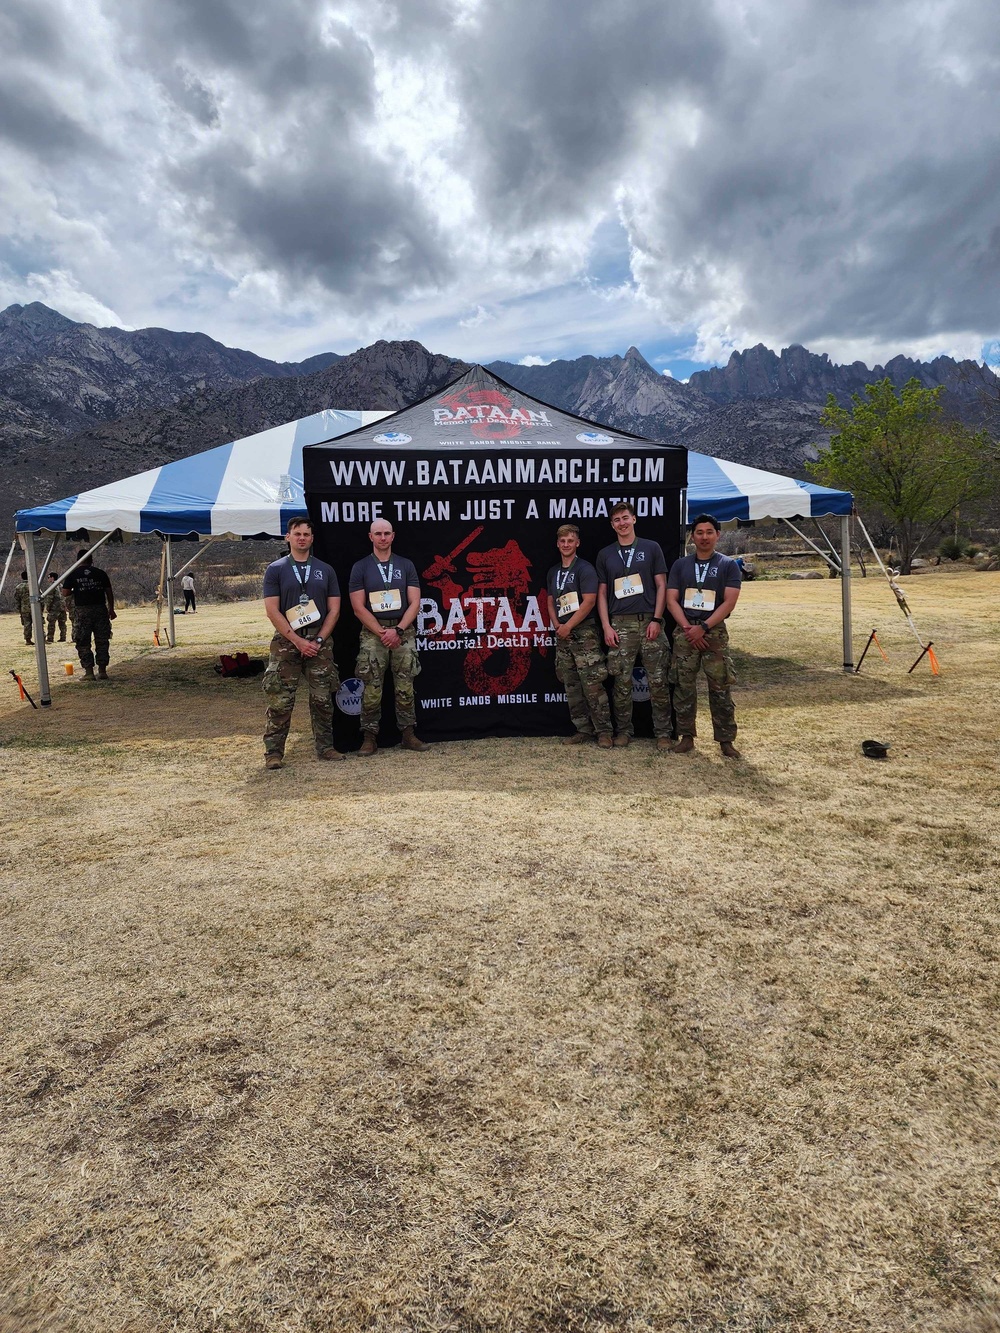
(891, 577)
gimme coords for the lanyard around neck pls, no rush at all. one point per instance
(562, 577)
(631, 552)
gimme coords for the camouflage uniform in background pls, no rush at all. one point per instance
(285, 670)
(92, 620)
(718, 673)
(655, 655)
(373, 661)
(22, 601)
(55, 614)
(582, 667)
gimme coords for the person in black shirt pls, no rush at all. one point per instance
(94, 603)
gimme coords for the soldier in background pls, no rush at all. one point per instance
(94, 603)
(22, 601)
(55, 613)
(580, 662)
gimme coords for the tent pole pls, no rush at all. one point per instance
(822, 554)
(203, 546)
(48, 560)
(6, 568)
(37, 621)
(845, 590)
(171, 631)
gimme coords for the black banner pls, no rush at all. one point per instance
(475, 480)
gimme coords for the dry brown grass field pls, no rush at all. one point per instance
(506, 1036)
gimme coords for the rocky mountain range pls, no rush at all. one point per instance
(81, 406)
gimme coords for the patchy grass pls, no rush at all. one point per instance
(505, 1037)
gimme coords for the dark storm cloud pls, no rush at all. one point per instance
(287, 182)
(551, 96)
(31, 120)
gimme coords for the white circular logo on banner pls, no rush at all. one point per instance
(349, 696)
(640, 686)
(594, 437)
(393, 437)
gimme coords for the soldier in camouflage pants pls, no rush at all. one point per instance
(719, 675)
(285, 669)
(374, 659)
(655, 655)
(582, 668)
(22, 600)
(55, 614)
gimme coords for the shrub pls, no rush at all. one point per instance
(952, 548)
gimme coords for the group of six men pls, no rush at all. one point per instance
(605, 618)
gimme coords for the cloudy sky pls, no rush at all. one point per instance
(524, 179)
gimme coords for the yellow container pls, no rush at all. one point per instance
(68, 668)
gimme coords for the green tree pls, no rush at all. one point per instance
(901, 453)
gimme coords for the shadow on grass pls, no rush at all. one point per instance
(790, 683)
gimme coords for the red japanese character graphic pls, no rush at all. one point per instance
(495, 575)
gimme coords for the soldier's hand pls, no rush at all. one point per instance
(563, 631)
(611, 637)
(390, 638)
(695, 635)
(652, 630)
(307, 647)
(112, 615)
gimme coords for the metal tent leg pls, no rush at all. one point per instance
(171, 628)
(27, 540)
(845, 589)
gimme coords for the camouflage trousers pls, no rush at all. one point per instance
(285, 670)
(92, 620)
(655, 657)
(55, 618)
(582, 667)
(719, 676)
(374, 659)
(26, 625)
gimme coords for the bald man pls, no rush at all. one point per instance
(385, 595)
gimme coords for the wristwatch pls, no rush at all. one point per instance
(320, 641)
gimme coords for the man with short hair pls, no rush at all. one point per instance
(385, 595)
(22, 602)
(94, 610)
(702, 590)
(580, 662)
(302, 601)
(55, 613)
(632, 590)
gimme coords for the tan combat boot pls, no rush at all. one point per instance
(685, 745)
(604, 741)
(369, 745)
(410, 742)
(102, 673)
(329, 753)
(274, 761)
(89, 674)
(729, 750)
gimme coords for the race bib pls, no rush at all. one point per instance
(567, 604)
(699, 599)
(629, 585)
(385, 602)
(301, 616)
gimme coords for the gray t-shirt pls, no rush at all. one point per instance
(572, 583)
(385, 583)
(638, 563)
(702, 583)
(286, 579)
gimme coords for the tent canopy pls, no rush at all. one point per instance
(251, 487)
(247, 488)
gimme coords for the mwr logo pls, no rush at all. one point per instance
(594, 437)
(349, 696)
(488, 414)
(640, 686)
(392, 437)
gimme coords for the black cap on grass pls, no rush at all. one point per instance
(875, 749)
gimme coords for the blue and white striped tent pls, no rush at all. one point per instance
(251, 487)
(247, 488)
